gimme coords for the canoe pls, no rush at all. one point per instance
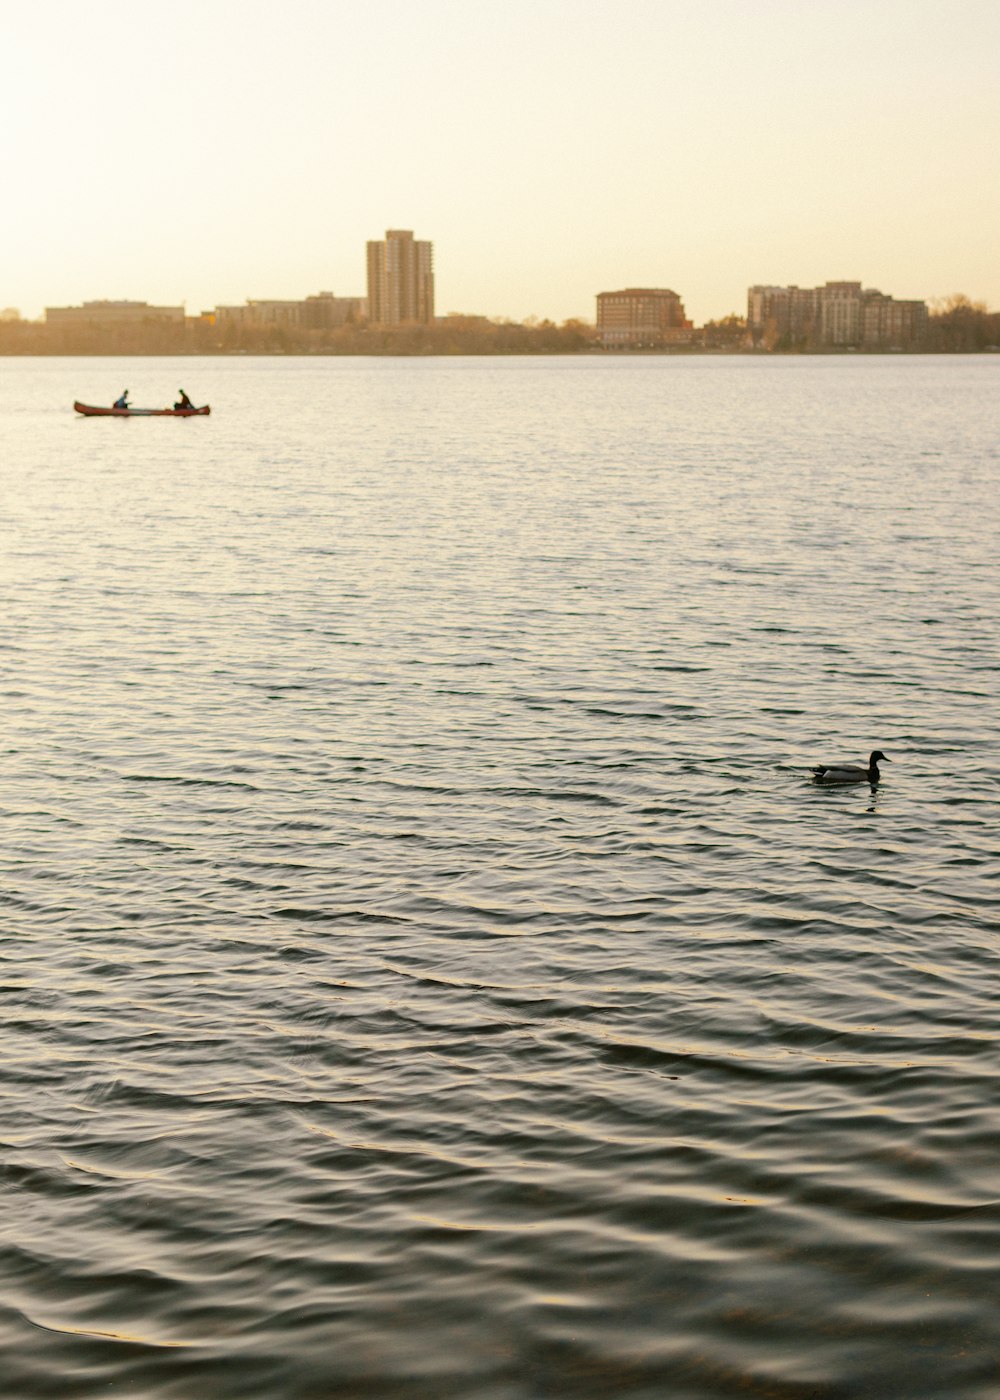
(90, 411)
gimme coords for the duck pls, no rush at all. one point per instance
(849, 772)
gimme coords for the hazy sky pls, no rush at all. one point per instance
(213, 151)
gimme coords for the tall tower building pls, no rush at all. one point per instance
(400, 279)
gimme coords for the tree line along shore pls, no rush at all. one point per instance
(956, 326)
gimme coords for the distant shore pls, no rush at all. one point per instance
(675, 352)
(960, 327)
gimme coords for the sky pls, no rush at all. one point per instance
(211, 152)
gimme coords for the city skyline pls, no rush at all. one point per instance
(401, 295)
(739, 307)
(550, 151)
(411, 298)
(398, 318)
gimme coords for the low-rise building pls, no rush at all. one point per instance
(326, 312)
(322, 311)
(112, 313)
(273, 312)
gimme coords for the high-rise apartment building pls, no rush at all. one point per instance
(639, 317)
(400, 279)
(839, 313)
(783, 311)
(886, 321)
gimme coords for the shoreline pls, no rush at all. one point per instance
(826, 352)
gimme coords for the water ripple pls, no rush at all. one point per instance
(429, 971)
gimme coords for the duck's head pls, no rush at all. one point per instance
(878, 757)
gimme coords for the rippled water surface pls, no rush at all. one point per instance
(428, 971)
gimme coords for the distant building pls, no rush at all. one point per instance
(839, 313)
(400, 279)
(779, 312)
(272, 312)
(322, 311)
(641, 318)
(112, 313)
(464, 320)
(890, 323)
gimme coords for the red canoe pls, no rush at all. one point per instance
(89, 411)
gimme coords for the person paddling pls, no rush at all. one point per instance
(123, 401)
(183, 401)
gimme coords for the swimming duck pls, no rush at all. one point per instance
(850, 773)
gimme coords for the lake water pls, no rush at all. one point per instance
(428, 972)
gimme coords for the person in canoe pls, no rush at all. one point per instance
(123, 401)
(183, 401)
